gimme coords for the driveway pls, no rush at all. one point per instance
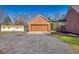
(22, 43)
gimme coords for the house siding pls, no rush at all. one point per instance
(72, 21)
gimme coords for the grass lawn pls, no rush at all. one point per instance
(3, 33)
(8, 32)
(72, 40)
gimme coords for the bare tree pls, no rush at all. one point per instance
(7, 20)
(62, 17)
(21, 19)
(3, 15)
(56, 16)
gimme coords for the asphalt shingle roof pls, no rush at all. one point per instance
(76, 8)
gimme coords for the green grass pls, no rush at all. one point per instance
(73, 40)
(67, 38)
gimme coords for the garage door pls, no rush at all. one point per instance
(39, 27)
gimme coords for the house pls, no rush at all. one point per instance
(72, 19)
(12, 27)
(39, 24)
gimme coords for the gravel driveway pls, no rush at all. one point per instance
(20, 43)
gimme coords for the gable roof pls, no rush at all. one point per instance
(37, 17)
(76, 8)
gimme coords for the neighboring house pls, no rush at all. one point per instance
(72, 20)
(12, 27)
(39, 24)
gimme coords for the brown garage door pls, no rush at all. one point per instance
(39, 27)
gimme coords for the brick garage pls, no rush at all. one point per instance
(39, 24)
